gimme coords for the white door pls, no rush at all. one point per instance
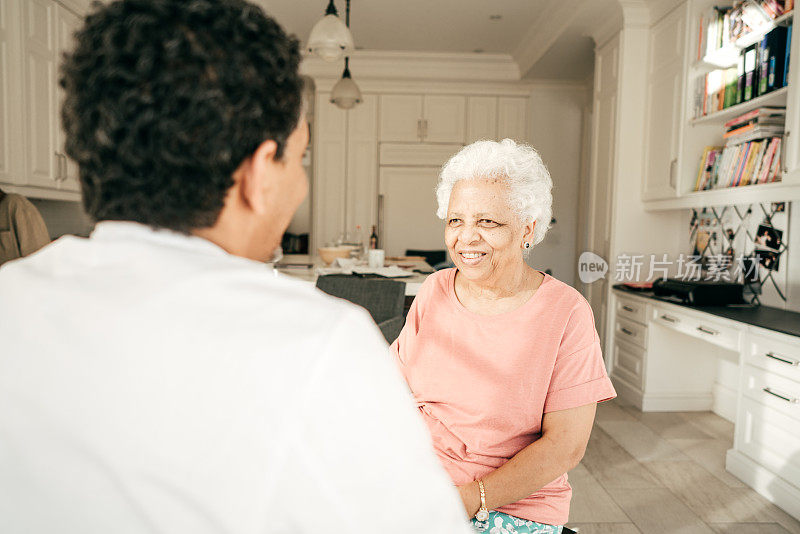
(445, 119)
(602, 173)
(400, 117)
(67, 23)
(481, 118)
(512, 118)
(39, 42)
(409, 218)
(664, 90)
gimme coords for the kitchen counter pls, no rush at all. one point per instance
(289, 265)
(777, 319)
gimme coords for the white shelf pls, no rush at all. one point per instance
(727, 56)
(747, 194)
(775, 98)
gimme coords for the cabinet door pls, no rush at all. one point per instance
(512, 118)
(445, 119)
(664, 106)
(409, 210)
(6, 106)
(39, 45)
(66, 24)
(481, 118)
(400, 117)
(362, 164)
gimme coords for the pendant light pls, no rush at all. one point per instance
(345, 93)
(330, 39)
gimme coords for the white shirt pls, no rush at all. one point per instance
(152, 382)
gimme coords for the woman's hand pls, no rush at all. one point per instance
(471, 497)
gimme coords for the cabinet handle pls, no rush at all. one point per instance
(707, 330)
(628, 308)
(420, 131)
(792, 400)
(58, 166)
(669, 318)
(672, 165)
(781, 359)
(626, 331)
(63, 168)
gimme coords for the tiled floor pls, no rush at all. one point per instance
(664, 473)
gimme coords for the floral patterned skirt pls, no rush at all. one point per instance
(500, 523)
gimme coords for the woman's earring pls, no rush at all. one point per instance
(527, 245)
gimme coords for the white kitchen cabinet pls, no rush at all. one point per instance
(445, 119)
(10, 112)
(330, 171)
(481, 118)
(409, 218)
(67, 23)
(362, 165)
(42, 163)
(35, 35)
(418, 118)
(512, 118)
(664, 106)
(401, 117)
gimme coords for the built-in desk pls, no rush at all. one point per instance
(741, 363)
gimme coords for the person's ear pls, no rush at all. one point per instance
(256, 178)
(527, 234)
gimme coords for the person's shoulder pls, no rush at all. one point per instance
(562, 290)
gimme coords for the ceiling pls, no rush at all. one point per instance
(533, 31)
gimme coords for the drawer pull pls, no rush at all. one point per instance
(781, 359)
(669, 318)
(626, 331)
(787, 399)
(628, 308)
(707, 330)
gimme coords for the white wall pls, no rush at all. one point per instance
(557, 114)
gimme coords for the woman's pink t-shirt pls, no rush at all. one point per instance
(482, 383)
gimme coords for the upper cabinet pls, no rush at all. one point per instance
(418, 118)
(512, 118)
(664, 106)
(35, 34)
(481, 118)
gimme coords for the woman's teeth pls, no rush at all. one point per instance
(471, 255)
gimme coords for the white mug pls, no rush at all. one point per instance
(376, 257)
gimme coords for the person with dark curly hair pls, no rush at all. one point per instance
(157, 376)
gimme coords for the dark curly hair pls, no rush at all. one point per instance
(166, 98)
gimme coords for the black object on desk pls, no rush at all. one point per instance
(700, 292)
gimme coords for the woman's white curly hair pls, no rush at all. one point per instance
(517, 164)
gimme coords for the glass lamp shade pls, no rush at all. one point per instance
(346, 93)
(330, 39)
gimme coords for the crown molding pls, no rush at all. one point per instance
(541, 36)
(401, 65)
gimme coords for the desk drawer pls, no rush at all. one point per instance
(774, 391)
(631, 332)
(712, 331)
(770, 438)
(776, 353)
(628, 362)
(631, 309)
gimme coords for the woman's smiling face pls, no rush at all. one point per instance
(483, 234)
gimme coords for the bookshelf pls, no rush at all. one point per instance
(669, 185)
(775, 98)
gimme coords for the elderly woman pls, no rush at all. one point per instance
(503, 360)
